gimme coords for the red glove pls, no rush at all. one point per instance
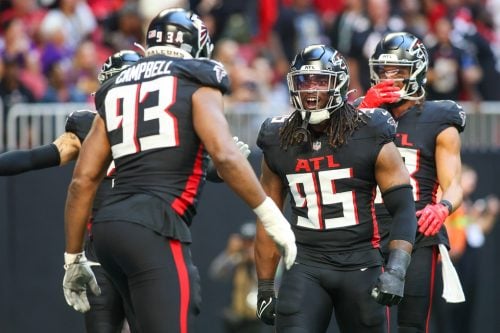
(431, 218)
(381, 93)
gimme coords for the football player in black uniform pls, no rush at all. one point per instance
(329, 157)
(429, 142)
(107, 313)
(157, 120)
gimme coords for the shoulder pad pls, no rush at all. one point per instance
(206, 72)
(79, 123)
(269, 131)
(448, 112)
(380, 123)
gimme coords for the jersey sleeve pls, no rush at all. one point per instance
(206, 72)
(79, 122)
(381, 125)
(452, 115)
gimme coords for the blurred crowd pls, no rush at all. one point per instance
(52, 50)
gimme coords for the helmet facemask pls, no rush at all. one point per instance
(318, 92)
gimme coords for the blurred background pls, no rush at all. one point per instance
(51, 52)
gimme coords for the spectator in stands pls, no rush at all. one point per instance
(124, 28)
(453, 71)
(344, 25)
(378, 22)
(60, 89)
(73, 18)
(12, 90)
(298, 26)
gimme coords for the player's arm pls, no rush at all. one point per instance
(267, 255)
(64, 149)
(95, 156)
(213, 130)
(212, 174)
(394, 182)
(448, 168)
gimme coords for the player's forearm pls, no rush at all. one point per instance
(77, 213)
(240, 177)
(454, 195)
(19, 161)
(267, 255)
(399, 202)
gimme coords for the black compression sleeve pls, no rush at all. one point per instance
(19, 161)
(212, 175)
(399, 202)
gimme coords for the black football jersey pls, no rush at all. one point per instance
(147, 110)
(417, 130)
(331, 191)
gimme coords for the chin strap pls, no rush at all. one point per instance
(301, 134)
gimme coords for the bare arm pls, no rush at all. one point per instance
(213, 130)
(390, 173)
(449, 166)
(267, 255)
(95, 156)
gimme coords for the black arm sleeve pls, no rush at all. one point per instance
(212, 175)
(399, 202)
(19, 161)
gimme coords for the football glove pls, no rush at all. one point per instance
(266, 302)
(78, 276)
(431, 218)
(279, 229)
(242, 146)
(389, 288)
(381, 93)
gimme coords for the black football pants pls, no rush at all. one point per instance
(154, 274)
(308, 295)
(415, 309)
(107, 311)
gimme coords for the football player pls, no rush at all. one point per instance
(329, 158)
(157, 120)
(428, 139)
(106, 312)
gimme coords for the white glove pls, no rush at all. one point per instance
(78, 275)
(279, 229)
(242, 146)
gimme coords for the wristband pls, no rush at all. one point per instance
(265, 209)
(72, 258)
(265, 285)
(447, 204)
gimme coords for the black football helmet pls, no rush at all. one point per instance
(320, 63)
(402, 49)
(180, 33)
(116, 63)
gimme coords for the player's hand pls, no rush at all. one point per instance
(278, 228)
(389, 289)
(383, 92)
(78, 276)
(266, 302)
(242, 146)
(431, 218)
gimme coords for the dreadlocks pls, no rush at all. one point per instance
(343, 122)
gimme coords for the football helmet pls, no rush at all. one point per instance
(318, 69)
(402, 49)
(178, 33)
(116, 63)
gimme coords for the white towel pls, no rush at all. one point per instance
(452, 288)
